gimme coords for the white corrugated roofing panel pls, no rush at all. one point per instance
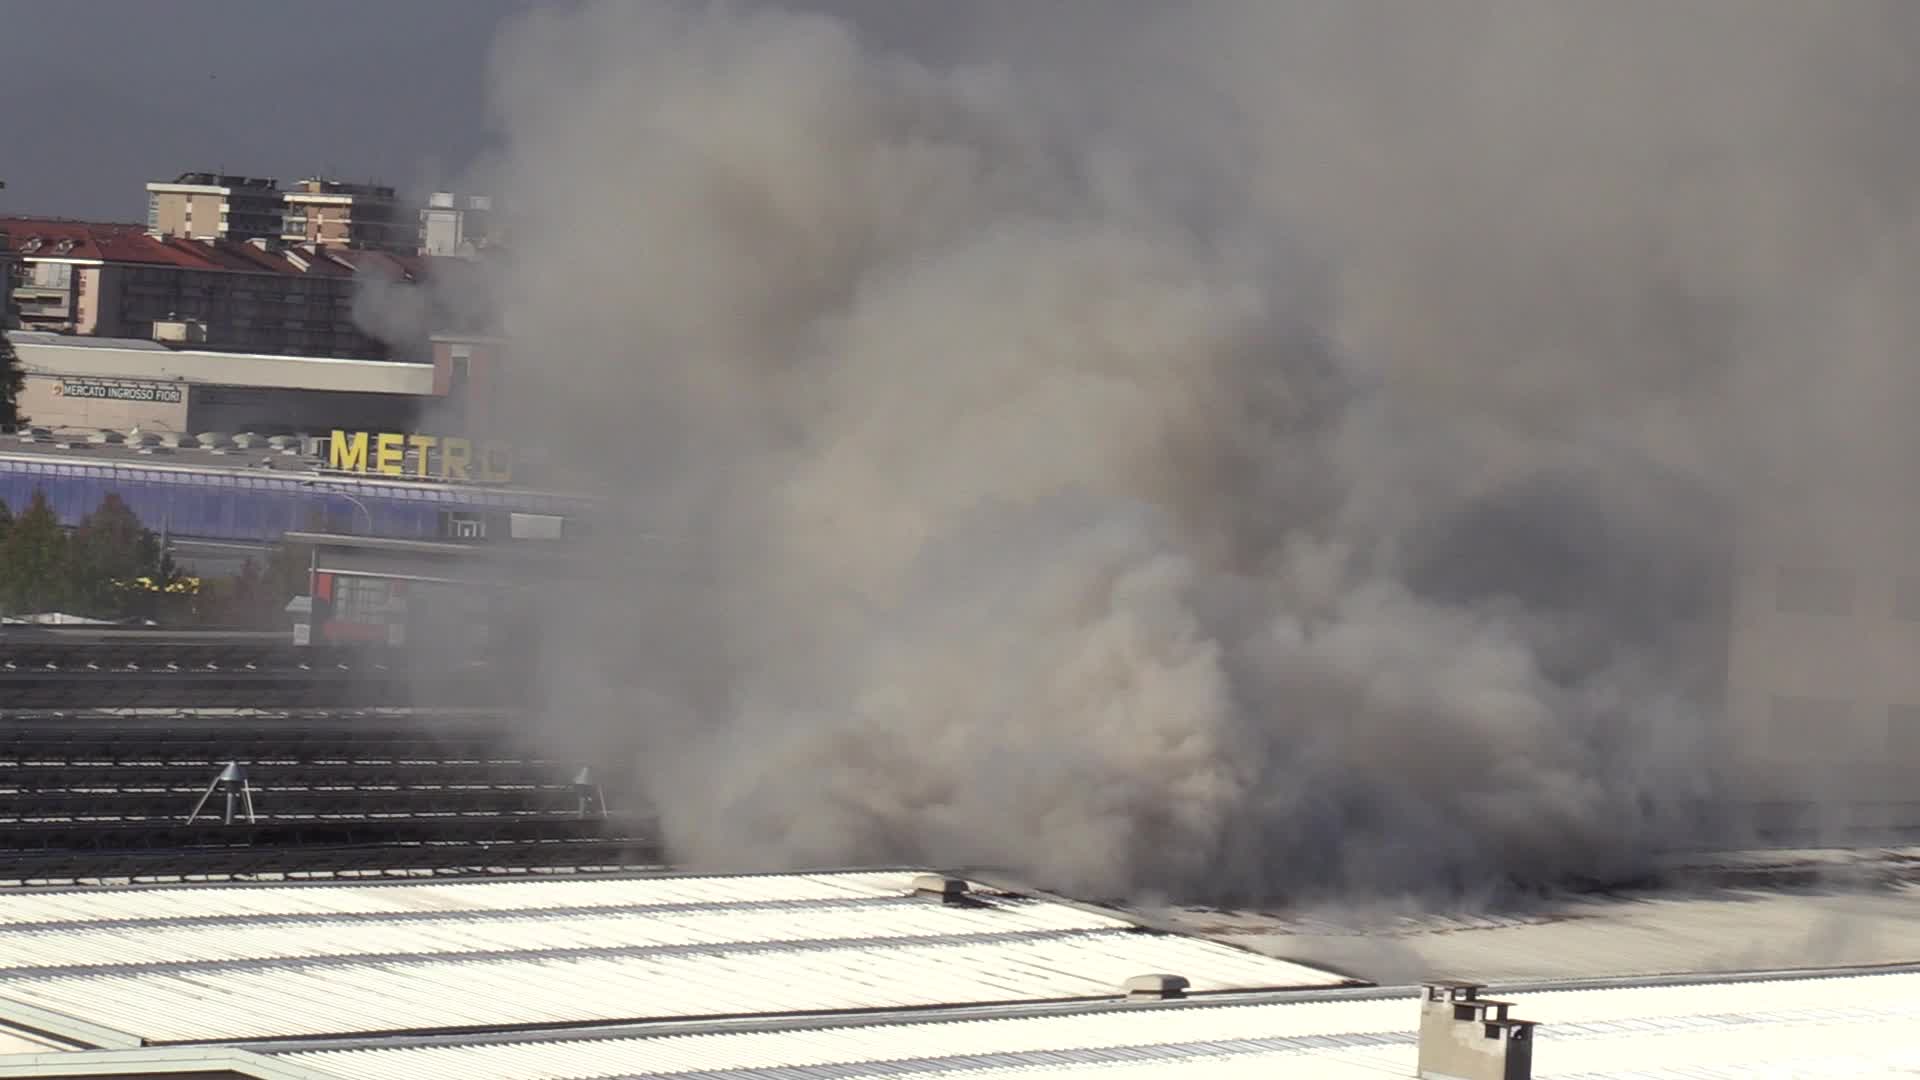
(227, 1002)
(1598, 937)
(1852, 1026)
(249, 962)
(187, 902)
(290, 937)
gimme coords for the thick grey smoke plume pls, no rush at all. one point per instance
(1219, 448)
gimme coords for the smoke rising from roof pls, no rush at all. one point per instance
(1224, 449)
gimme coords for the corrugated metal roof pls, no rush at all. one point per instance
(1859, 1025)
(64, 905)
(1722, 930)
(200, 963)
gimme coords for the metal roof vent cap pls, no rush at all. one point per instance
(1156, 987)
(948, 889)
(231, 782)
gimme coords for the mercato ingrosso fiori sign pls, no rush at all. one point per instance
(441, 457)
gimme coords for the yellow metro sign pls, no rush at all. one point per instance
(455, 459)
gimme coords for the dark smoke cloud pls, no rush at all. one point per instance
(1226, 449)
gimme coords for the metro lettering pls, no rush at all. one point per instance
(444, 456)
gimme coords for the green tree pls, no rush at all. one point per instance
(33, 560)
(113, 561)
(284, 578)
(11, 381)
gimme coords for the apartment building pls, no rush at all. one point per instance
(319, 211)
(214, 206)
(452, 224)
(116, 280)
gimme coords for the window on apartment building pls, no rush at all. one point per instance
(1814, 591)
(462, 367)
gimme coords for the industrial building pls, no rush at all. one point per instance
(238, 448)
(89, 384)
(211, 497)
(840, 974)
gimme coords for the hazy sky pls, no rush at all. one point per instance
(99, 96)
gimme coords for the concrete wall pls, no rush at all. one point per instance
(96, 293)
(170, 212)
(241, 408)
(205, 214)
(44, 403)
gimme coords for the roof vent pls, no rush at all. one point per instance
(1156, 987)
(1470, 1037)
(950, 890)
(231, 782)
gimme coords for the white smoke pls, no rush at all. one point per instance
(1233, 449)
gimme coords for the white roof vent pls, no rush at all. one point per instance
(950, 890)
(1155, 987)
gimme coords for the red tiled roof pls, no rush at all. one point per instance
(126, 243)
(86, 236)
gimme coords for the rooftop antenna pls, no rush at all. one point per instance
(232, 781)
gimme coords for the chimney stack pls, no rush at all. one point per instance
(1466, 1037)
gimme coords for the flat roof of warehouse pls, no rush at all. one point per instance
(1847, 1025)
(230, 963)
(1727, 913)
(1835, 1024)
(42, 353)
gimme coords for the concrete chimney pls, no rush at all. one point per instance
(1464, 1036)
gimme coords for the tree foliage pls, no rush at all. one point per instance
(107, 558)
(11, 380)
(33, 560)
(111, 566)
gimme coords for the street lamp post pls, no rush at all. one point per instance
(356, 502)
